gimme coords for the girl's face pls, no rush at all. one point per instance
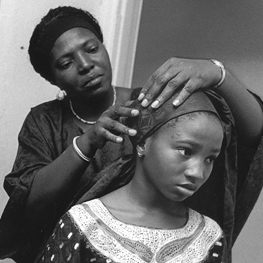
(80, 64)
(178, 160)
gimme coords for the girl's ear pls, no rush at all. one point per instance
(140, 150)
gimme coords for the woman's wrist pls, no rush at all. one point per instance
(83, 148)
(221, 67)
(79, 152)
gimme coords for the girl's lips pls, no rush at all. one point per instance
(188, 186)
(187, 189)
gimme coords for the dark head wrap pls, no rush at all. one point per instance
(52, 26)
(150, 120)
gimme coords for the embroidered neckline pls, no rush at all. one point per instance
(122, 242)
(97, 206)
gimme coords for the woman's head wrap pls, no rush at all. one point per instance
(150, 120)
(52, 26)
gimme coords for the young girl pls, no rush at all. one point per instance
(145, 220)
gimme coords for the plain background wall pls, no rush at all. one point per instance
(228, 30)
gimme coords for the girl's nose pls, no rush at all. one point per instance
(195, 170)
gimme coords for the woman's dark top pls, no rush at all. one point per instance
(227, 197)
(48, 130)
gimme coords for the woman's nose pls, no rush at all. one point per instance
(85, 63)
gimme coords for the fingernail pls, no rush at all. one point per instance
(132, 132)
(119, 139)
(145, 103)
(134, 112)
(176, 103)
(141, 96)
(155, 104)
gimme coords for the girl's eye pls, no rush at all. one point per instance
(211, 159)
(185, 152)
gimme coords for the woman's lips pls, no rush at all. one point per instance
(93, 81)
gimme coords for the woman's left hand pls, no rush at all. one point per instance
(179, 74)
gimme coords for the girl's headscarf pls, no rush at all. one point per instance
(150, 120)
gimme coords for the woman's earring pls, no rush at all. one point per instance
(61, 95)
(140, 151)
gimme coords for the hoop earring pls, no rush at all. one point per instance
(140, 151)
(61, 95)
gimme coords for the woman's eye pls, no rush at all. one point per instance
(65, 65)
(185, 152)
(93, 49)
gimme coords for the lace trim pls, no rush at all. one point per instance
(128, 243)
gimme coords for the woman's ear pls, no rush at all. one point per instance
(140, 150)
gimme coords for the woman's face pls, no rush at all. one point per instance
(178, 160)
(80, 64)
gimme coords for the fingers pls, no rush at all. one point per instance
(156, 83)
(184, 75)
(128, 103)
(173, 86)
(112, 130)
(152, 79)
(168, 79)
(111, 125)
(186, 91)
(121, 111)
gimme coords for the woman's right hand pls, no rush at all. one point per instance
(109, 127)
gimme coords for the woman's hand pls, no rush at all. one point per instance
(109, 127)
(179, 74)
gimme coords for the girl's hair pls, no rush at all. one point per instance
(39, 52)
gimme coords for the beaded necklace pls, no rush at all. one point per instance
(91, 122)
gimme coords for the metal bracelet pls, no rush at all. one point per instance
(223, 71)
(79, 152)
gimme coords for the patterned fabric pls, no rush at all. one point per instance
(89, 233)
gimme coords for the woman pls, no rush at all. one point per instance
(50, 172)
(145, 220)
(67, 49)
